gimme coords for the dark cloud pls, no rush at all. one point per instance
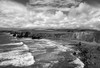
(22, 1)
(93, 2)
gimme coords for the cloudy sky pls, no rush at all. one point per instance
(50, 14)
(22, 1)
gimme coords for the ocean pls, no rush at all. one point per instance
(35, 53)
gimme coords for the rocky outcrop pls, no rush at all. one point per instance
(89, 54)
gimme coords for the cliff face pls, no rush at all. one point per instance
(84, 36)
(87, 36)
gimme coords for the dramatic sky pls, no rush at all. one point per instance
(50, 14)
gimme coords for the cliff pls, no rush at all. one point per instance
(85, 35)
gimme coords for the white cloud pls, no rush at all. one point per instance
(12, 14)
(18, 16)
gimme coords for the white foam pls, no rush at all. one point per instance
(79, 62)
(18, 60)
(17, 57)
(18, 43)
(23, 39)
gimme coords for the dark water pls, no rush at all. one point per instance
(5, 38)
